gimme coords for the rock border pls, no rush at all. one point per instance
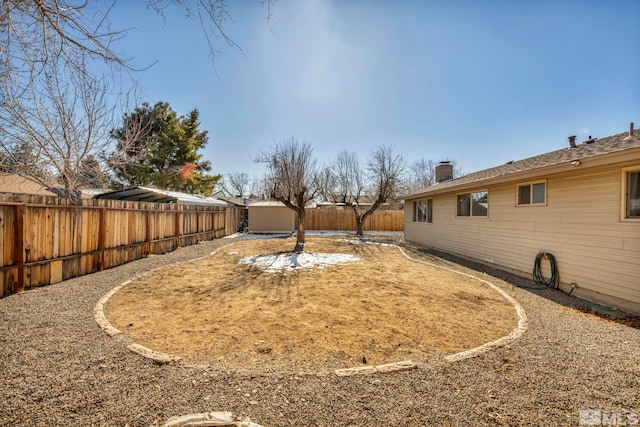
(202, 419)
(521, 328)
(163, 358)
(405, 365)
(109, 329)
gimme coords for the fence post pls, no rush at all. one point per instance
(177, 226)
(147, 226)
(101, 236)
(129, 231)
(197, 225)
(227, 220)
(18, 247)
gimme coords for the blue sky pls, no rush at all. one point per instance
(481, 82)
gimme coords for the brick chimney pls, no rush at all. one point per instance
(444, 171)
(572, 141)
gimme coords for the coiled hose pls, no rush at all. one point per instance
(554, 280)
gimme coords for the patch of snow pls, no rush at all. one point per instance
(255, 236)
(352, 233)
(312, 233)
(275, 263)
(364, 241)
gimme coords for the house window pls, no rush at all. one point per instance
(473, 204)
(423, 210)
(532, 193)
(632, 193)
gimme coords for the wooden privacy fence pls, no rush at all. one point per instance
(46, 240)
(338, 219)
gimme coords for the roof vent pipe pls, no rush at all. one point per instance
(628, 137)
(572, 141)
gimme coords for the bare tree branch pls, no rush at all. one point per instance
(346, 182)
(292, 178)
(54, 111)
(422, 173)
(57, 125)
(237, 183)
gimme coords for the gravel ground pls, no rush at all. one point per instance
(57, 367)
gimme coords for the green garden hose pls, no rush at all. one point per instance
(554, 280)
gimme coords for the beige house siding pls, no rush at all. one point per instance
(580, 224)
(270, 218)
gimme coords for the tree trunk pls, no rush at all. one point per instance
(359, 219)
(359, 226)
(302, 219)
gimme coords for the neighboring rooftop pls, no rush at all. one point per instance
(590, 148)
(238, 201)
(14, 183)
(154, 195)
(88, 193)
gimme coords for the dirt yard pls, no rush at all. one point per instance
(377, 307)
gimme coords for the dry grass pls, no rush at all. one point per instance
(382, 309)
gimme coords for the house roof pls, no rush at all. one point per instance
(238, 201)
(14, 183)
(221, 192)
(154, 195)
(586, 150)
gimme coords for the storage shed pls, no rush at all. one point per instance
(270, 217)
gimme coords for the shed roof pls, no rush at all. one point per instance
(154, 195)
(89, 193)
(272, 203)
(586, 150)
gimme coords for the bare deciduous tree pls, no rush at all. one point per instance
(35, 33)
(42, 43)
(346, 182)
(292, 178)
(63, 120)
(422, 173)
(237, 183)
(261, 188)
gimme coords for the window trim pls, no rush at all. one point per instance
(429, 207)
(623, 193)
(531, 184)
(470, 192)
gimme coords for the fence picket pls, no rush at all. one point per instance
(44, 235)
(345, 220)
